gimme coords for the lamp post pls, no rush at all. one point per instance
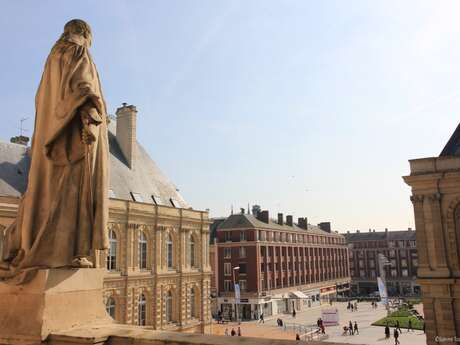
(237, 293)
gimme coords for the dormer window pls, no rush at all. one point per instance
(137, 197)
(157, 200)
(174, 203)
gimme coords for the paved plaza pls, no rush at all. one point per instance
(365, 316)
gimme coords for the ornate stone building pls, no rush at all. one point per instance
(435, 183)
(158, 269)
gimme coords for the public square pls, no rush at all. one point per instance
(365, 316)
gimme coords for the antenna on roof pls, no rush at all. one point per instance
(21, 127)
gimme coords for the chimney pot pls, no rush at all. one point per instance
(325, 226)
(280, 219)
(289, 220)
(263, 216)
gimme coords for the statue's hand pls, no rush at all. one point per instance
(87, 136)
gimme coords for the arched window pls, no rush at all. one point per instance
(110, 307)
(142, 251)
(192, 251)
(169, 251)
(112, 255)
(192, 303)
(168, 306)
(141, 310)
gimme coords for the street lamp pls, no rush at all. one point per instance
(236, 288)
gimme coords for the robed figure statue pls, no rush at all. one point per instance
(62, 217)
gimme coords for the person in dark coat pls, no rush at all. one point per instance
(396, 336)
(356, 328)
(387, 331)
(233, 332)
(350, 328)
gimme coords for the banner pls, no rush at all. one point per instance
(382, 290)
(330, 316)
(237, 293)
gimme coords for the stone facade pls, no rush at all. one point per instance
(126, 281)
(158, 268)
(435, 196)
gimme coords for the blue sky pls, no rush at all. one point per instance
(310, 108)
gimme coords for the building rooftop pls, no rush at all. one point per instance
(248, 221)
(401, 235)
(143, 183)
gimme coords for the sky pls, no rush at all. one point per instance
(310, 108)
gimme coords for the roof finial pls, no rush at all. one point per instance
(249, 212)
(232, 210)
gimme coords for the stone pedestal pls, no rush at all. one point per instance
(54, 300)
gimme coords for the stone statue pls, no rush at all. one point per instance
(63, 214)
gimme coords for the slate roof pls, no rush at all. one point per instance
(452, 147)
(399, 235)
(146, 178)
(248, 221)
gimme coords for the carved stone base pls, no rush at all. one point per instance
(54, 300)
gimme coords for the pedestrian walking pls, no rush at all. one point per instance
(387, 331)
(297, 336)
(350, 328)
(226, 331)
(396, 336)
(356, 306)
(356, 328)
(293, 313)
(409, 326)
(233, 332)
(239, 331)
(398, 327)
(261, 318)
(351, 307)
(323, 329)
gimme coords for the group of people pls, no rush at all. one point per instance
(374, 305)
(233, 332)
(352, 307)
(351, 329)
(279, 322)
(395, 333)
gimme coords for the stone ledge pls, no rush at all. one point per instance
(134, 335)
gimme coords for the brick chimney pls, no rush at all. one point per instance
(126, 132)
(289, 220)
(325, 226)
(263, 216)
(302, 223)
(280, 219)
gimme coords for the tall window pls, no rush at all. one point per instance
(168, 306)
(169, 251)
(192, 303)
(192, 251)
(141, 310)
(112, 255)
(142, 251)
(242, 252)
(243, 236)
(227, 268)
(110, 307)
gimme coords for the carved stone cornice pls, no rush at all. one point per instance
(417, 198)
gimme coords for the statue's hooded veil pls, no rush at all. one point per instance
(64, 211)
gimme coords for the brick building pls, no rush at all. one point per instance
(398, 247)
(278, 265)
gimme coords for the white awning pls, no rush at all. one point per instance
(298, 294)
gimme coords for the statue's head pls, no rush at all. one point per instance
(77, 31)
